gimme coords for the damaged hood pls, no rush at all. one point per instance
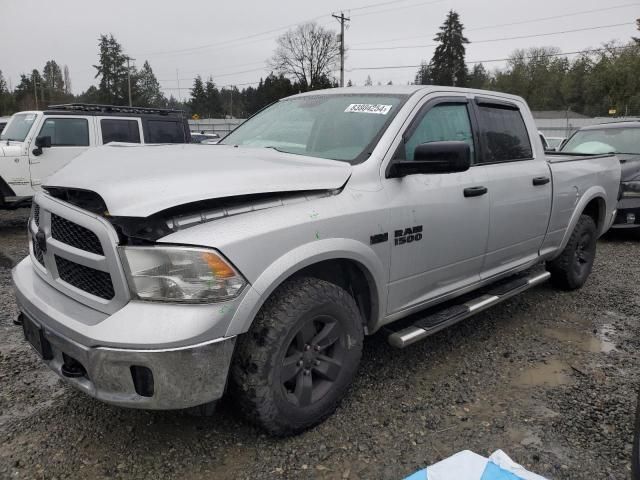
(138, 181)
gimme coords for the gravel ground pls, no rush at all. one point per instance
(549, 377)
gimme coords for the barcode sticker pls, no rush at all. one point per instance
(368, 108)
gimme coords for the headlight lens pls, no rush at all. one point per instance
(180, 274)
(631, 189)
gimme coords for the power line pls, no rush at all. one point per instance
(493, 60)
(226, 42)
(227, 74)
(217, 86)
(399, 8)
(501, 38)
(373, 5)
(572, 14)
(554, 17)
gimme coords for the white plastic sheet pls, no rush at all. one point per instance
(467, 465)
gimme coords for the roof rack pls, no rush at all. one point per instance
(90, 107)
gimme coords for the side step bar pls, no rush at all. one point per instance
(437, 321)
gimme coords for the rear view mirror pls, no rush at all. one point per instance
(435, 157)
(42, 142)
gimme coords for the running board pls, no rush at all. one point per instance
(435, 322)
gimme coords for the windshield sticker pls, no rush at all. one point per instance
(29, 117)
(368, 108)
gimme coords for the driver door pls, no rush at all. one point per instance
(70, 136)
(439, 222)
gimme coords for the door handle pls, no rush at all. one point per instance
(475, 191)
(541, 181)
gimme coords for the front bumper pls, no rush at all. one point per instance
(628, 215)
(174, 375)
(171, 379)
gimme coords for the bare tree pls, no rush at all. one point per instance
(67, 80)
(307, 53)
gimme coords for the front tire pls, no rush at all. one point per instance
(570, 270)
(298, 359)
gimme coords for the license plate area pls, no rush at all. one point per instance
(35, 337)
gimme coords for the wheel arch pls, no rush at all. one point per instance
(593, 203)
(347, 263)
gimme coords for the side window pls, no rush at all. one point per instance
(161, 131)
(444, 122)
(119, 131)
(66, 132)
(504, 134)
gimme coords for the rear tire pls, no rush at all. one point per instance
(300, 356)
(570, 270)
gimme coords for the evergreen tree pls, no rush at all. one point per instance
(53, 82)
(212, 102)
(423, 77)
(198, 102)
(368, 82)
(112, 70)
(448, 65)
(148, 93)
(6, 98)
(479, 77)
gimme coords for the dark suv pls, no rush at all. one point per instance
(623, 138)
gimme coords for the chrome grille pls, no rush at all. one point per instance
(88, 279)
(75, 235)
(81, 258)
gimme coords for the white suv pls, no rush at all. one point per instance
(35, 144)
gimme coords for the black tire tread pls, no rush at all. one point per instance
(560, 267)
(250, 373)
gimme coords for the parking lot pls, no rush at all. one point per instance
(549, 377)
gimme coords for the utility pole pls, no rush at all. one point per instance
(178, 80)
(342, 19)
(129, 77)
(35, 89)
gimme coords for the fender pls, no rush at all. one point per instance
(301, 257)
(590, 194)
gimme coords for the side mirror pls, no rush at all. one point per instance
(42, 142)
(434, 157)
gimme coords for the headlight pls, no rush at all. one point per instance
(631, 189)
(180, 274)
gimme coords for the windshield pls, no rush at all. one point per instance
(605, 140)
(18, 127)
(337, 127)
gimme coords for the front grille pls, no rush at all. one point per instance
(36, 214)
(90, 280)
(75, 235)
(37, 252)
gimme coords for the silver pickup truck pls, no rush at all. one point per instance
(160, 275)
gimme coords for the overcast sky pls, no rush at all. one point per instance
(210, 37)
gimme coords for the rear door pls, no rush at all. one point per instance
(519, 185)
(119, 129)
(438, 232)
(70, 136)
(164, 130)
